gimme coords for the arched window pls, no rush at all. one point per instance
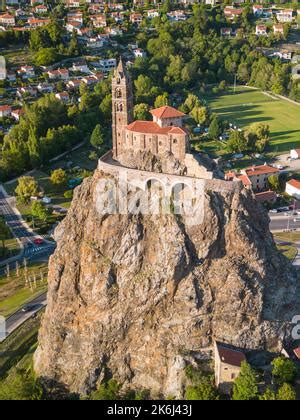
(120, 107)
(118, 93)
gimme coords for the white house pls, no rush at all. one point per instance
(139, 53)
(26, 72)
(295, 153)
(258, 10)
(261, 30)
(63, 96)
(286, 16)
(41, 9)
(152, 13)
(292, 188)
(7, 20)
(59, 74)
(45, 88)
(108, 64)
(81, 67)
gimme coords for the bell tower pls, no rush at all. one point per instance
(122, 107)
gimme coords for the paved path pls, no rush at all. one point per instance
(19, 317)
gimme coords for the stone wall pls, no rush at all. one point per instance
(140, 178)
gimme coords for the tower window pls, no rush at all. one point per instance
(175, 141)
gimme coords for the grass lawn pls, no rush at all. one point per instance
(18, 348)
(79, 157)
(248, 106)
(13, 291)
(57, 197)
(18, 56)
(289, 251)
(288, 236)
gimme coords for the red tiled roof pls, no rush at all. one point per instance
(265, 196)
(230, 357)
(229, 176)
(166, 112)
(5, 108)
(153, 128)
(245, 180)
(261, 170)
(297, 352)
(294, 183)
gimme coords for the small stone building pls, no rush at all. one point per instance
(227, 367)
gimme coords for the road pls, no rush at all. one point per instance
(292, 166)
(23, 233)
(279, 222)
(19, 317)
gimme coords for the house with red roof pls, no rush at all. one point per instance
(17, 113)
(7, 20)
(292, 188)
(5, 111)
(266, 197)
(259, 175)
(63, 97)
(295, 154)
(261, 30)
(232, 13)
(228, 362)
(41, 9)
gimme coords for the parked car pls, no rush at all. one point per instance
(38, 241)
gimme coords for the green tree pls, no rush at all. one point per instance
(39, 210)
(59, 177)
(141, 112)
(46, 56)
(286, 393)
(274, 183)
(105, 108)
(22, 387)
(215, 128)
(203, 391)
(191, 102)
(97, 138)
(245, 386)
(143, 86)
(27, 187)
(68, 194)
(107, 391)
(268, 395)
(237, 142)
(161, 100)
(283, 370)
(200, 114)
(257, 136)
(4, 233)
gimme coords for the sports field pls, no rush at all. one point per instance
(248, 106)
